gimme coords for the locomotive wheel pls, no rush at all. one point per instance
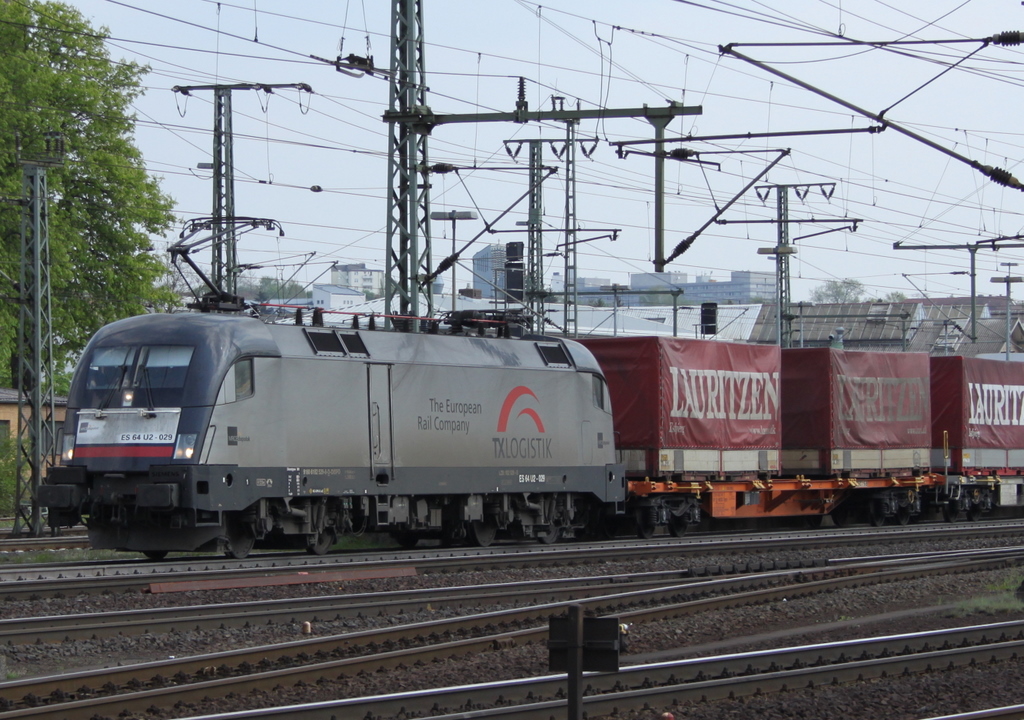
(407, 540)
(548, 535)
(155, 554)
(482, 532)
(973, 513)
(324, 541)
(240, 540)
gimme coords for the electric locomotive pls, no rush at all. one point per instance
(190, 432)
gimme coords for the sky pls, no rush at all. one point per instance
(965, 98)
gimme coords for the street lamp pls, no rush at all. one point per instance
(1009, 280)
(454, 216)
(781, 254)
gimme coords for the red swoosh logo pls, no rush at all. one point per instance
(510, 400)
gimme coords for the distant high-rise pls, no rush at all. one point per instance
(743, 286)
(358, 277)
(489, 271)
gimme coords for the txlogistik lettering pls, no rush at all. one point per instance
(522, 448)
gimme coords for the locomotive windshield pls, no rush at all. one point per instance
(144, 376)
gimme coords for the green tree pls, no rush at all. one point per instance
(8, 468)
(838, 291)
(56, 76)
(894, 296)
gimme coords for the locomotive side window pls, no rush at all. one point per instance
(601, 393)
(244, 386)
(554, 355)
(354, 345)
(324, 342)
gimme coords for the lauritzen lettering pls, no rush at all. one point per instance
(993, 404)
(724, 394)
(869, 399)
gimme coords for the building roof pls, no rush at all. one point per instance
(917, 325)
(9, 396)
(337, 290)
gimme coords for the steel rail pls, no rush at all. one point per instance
(680, 602)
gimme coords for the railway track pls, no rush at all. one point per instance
(692, 680)
(68, 579)
(65, 541)
(109, 692)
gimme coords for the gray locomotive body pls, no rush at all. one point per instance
(204, 432)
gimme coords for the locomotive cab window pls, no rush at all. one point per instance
(143, 376)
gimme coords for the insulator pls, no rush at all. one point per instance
(1011, 37)
(522, 89)
(681, 153)
(373, 322)
(355, 322)
(1003, 177)
(298, 316)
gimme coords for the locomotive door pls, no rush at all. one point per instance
(379, 384)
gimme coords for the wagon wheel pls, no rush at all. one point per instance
(155, 554)
(814, 521)
(973, 512)
(645, 525)
(482, 532)
(841, 516)
(877, 516)
(677, 525)
(951, 511)
(903, 515)
(325, 540)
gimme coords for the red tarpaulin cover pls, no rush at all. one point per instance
(675, 393)
(979, 402)
(846, 399)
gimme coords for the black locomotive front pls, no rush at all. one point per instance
(139, 408)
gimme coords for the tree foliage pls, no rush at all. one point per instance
(838, 291)
(56, 76)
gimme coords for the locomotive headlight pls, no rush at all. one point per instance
(127, 398)
(185, 447)
(67, 453)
